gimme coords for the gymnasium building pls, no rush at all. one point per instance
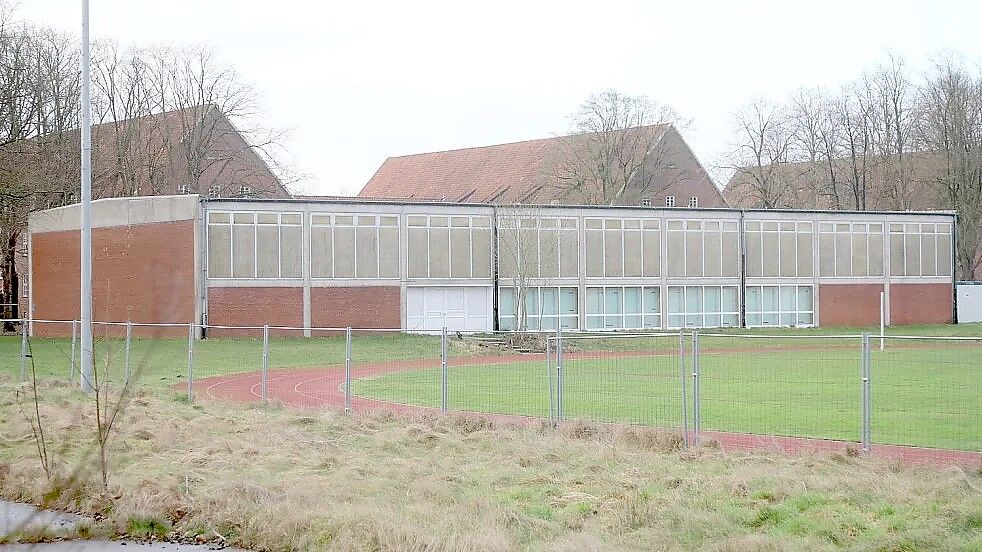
(422, 265)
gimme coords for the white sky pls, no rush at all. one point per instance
(356, 82)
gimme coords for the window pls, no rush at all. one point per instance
(693, 201)
(183, 189)
(616, 307)
(702, 248)
(214, 191)
(354, 246)
(779, 249)
(850, 249)
(780, 306)
(669, 201)
(449, 246)
(538, 247)
(646, 202)
(247, 245)
(245, 191)
(703, 307)
(622, 248)
(920, 249)
(544, 308)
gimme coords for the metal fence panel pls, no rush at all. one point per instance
(927, 393)
(787, 392)
(625, 378)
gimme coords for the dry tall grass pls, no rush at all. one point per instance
(274, 479)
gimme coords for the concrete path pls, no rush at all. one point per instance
(24, 517)
(19, 517)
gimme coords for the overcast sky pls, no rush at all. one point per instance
(356, 82)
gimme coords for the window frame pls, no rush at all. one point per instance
(255, 224)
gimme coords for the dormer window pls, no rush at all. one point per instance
(693, 201)
(669, 201)
(646, 202)
(245, 191)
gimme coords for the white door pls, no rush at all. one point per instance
(429, 309)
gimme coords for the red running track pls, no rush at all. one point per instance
(322, 387)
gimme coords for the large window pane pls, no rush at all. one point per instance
(460, 252)
(568, 254)
(612, 301)
(367, 249)
(632, 253)
(753, 255)
(676, 254)
(219, 251)
(481, 253)
(344, 252)
(243, 251)
(439, 242)
(550, 301)
(291, 251)
(652, 253)
(632, 300)
(594, 300)
(652, 303)
(267, 251)
(419, 252)
(804, 255)
(693, 253)
(613, 254)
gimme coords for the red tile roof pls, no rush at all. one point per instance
(517, 172)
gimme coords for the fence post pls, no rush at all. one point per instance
(552, 406)
(347, 369)
(23, 350)
(559, 376)
(866, 395)
(126, 357)
(190, 361)
(696, 414)
(264, 378)
(71, 369)
(883, 319)
(685, 403)
(443, 371)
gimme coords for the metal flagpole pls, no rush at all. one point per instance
(86, 261)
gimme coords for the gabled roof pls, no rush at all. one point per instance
(517, 172)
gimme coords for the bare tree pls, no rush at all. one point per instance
(616, 149)
(761, 161)
(951, 125)
(528, 256)
(893, 111)
(208, 98)
(816, 139)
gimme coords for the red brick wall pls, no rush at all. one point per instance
(142, 273)
(849, 304)
(358, 307)
(254, 306)
(920, 304)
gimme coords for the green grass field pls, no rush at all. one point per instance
(793, 384)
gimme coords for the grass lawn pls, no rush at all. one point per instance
(926, 396)
(278, 479)
(792, 384)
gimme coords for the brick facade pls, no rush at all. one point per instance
(849, 304)
(859, 304)
(358, 307)
(141, 273)
(920, 304)
(254, 306)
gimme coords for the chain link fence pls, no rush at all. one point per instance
(910, 396)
